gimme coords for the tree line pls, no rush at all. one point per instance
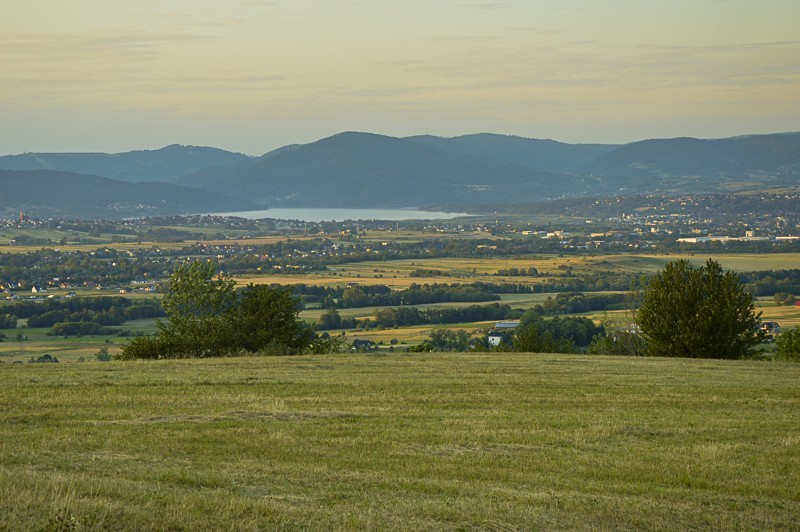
(383, 295)
(407, 316)
(113, 308)
(80, 315)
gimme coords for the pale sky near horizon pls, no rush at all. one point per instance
(252, 75)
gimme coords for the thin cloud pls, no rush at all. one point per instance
(488, 5)
(464, 38)
(51, 45)
(540, 31)
(226, 22)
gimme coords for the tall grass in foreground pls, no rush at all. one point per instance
(430, 441)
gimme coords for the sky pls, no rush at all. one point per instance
(252, 75)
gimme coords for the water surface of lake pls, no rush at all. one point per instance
(328, 215)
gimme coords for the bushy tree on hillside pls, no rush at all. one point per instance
(209, 317)
(198, 305)
(698, 313)
(266, 316)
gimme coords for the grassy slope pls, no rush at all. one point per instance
(401, 442)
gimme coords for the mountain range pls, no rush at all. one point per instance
(354, 169)
(134, 166)
(51, 192)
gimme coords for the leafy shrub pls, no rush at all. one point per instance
(103, 355)
(788, 345)
(46, 358)
(622, 343)
(698, 313)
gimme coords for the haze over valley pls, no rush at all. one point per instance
(364, 170)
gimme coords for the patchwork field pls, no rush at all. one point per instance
(22, 344)
(425, 442)
(397, 273)
(36, 342)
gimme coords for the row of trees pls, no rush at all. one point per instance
(416, 294)
(121, 307)
(518, 272)
(771, 282)
(406, 316)
(576, 303)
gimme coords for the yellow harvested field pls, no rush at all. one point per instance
(397, 273)
(740, 262)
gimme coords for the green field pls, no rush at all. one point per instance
(433, 441)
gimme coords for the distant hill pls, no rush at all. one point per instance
(530, 153)
(366, 170)
(135, 166)
(49, 193)
(694, 165)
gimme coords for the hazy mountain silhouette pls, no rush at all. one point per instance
(530, 153)
(692, 165)
(48, 192)
(134, 166)
(360, 169)
(366, 170)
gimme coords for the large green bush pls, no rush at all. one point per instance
(209, 317)
(788, 345)
(698, 313)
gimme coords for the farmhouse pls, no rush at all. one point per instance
(495, 337)
(363, 345)
(500, 329)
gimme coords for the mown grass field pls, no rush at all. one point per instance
(422, 442)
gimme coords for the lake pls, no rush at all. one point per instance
(329, 215)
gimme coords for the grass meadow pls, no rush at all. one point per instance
(408, 442)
